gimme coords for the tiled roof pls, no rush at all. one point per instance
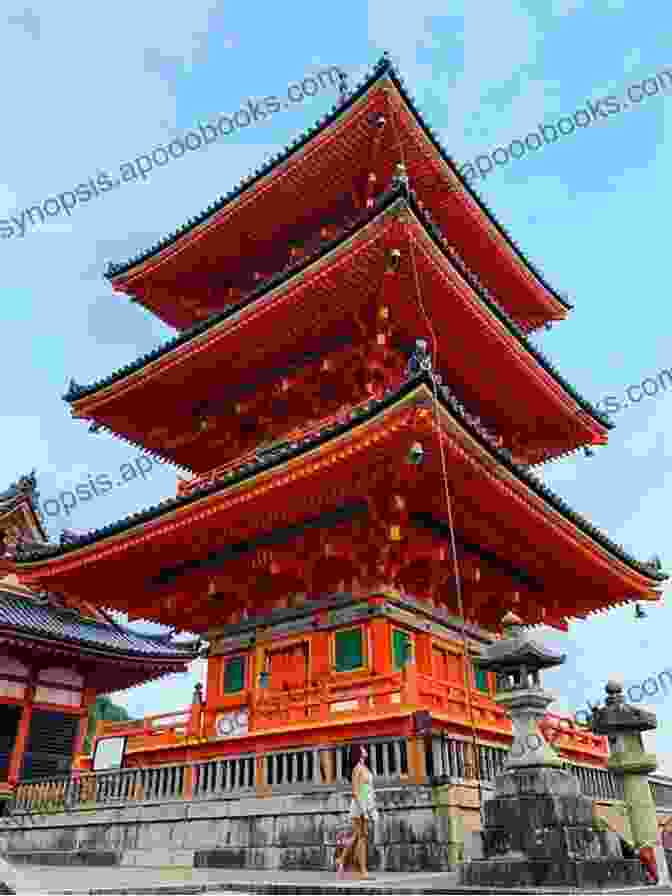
(384, 67)
(29, 616)
(310, 441)
(396, 193)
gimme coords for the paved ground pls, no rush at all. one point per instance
(45, 880)
(41, 879)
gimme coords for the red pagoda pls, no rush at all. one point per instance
(355, 399)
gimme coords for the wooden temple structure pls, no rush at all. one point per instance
(57, 653)
(355, 400)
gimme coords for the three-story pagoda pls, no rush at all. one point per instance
(355, 398)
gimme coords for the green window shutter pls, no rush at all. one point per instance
(348, 650)
(480, 679)
(401, 648)
(234, 675)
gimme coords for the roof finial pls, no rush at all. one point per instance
(343, 85)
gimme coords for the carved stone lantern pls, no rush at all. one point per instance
(538, 828)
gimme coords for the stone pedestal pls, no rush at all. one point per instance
(538, 831)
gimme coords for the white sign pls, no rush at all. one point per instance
(109, 753)
(233, 724)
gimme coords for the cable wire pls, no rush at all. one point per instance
(444, 473)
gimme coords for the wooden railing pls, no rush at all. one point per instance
(280, 771)
(347, 413)
(165, 729)
(380, 694)
(268, 708)
(393, 762)
(564, 733)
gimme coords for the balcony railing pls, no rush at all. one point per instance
(273, 450)
(380, 695)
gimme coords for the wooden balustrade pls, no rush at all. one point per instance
(323, 700)
(326, 700)
(306, 769)
(280, 771)
(149, 725)
(294, 435)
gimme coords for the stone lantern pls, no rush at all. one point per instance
(623, 725)
(538, 826)
(517, 661)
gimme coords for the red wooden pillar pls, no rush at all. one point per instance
(423, 652)
(16, 760)
(381, 648)
(321, 670)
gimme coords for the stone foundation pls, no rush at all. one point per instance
(278, 832)
(581, 874)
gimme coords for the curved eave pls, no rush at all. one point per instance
(164, 661)
(122, 378)
(119, 274)
(24, 616)
(416, 388)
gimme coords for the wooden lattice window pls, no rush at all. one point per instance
(234, 675)
(348, 650)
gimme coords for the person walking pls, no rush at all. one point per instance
(363, 812)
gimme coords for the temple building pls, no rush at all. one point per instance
(359, 411)
(57, 653)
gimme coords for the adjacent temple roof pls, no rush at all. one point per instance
(23, 495)
(33, 617)
(46, 623)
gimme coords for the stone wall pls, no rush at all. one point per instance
(278, 832)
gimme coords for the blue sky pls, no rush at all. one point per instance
(83, 94)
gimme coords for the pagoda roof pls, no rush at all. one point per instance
(383, 69)
(37, 565)
(32, 617)
(396, 199)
